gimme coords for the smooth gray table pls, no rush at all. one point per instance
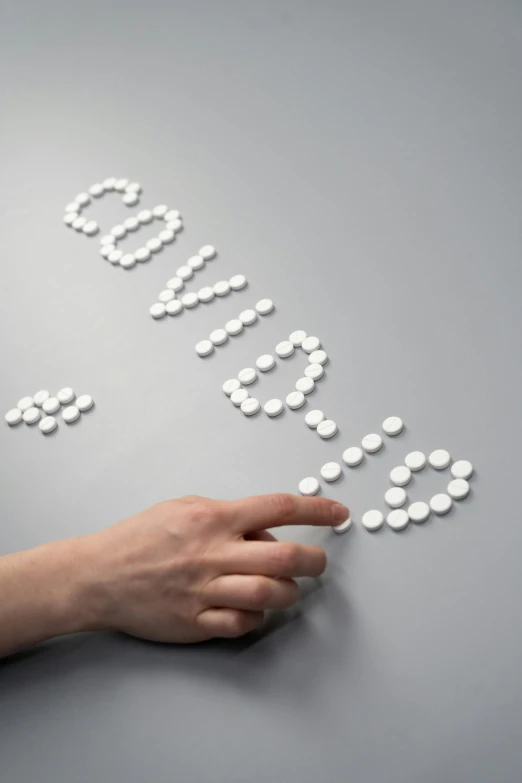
(360, 163)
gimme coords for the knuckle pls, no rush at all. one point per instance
(202, 511)
(237, 624)
(260, 592)
(284, 505)
(286, 557)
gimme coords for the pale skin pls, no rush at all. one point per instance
(182, 571)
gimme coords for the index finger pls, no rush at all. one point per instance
(264, 511)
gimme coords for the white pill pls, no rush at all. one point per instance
(69, 218)
(154, 244)
(204, 348)
(327, 429)
(206, 294)
(25, 403)
(131, 223)
(251, 406)
(167, 236)
(458, 489)
(395, 497)
(31, 415)
(189, 300)
(440, 504)
(51, 405)
(295, 400)
(40, 397)
(234, 326)
(160, 211)
(247, 376)
(185, 272)
(79, 223)
(419, 512)
(248, 317)
(82, 199)
(172, 214)
(239, 396)
(372, 443)
(71, 414)
(121, 184)
(415, 461)
(133, 187)
(130, 199)
(273, 408)
(142, 254)
(314, 418)
(309, 486)
(128, 260)
(174, 307)
(231, 386)
(97, 190)
(264, 306)
(343, 527)
(118, 231)
(439, 459)
(237, 282)
(157, 310)
(66, 395)
(305, 385)
(14, 416)
(109, 183)
(145, 216)
(175, 284)
(48, 424)
(318, 357)
(218, 336)
(106, 250)
(166, 295)
(266, 362)
(331, 471)
(84, 402)
(462, 469)
(108, 239)
(222, 288)
(353, 456)
(115, 256)
(373, 520)
(400, 476)
(311, 344)
(393, 425)
(207, 252)
(284, 349)
(314, 371)
(73, 207)
(175, 226)
(196, 262)
(398, 519)
(297, 337)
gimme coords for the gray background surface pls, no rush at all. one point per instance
(360, 162)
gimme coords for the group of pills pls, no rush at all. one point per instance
(40, 409)
(236, 325)
(73, 217)
(109, 243)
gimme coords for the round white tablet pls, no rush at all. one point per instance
(297, 337)
(115, 256)
(284, 349)
(175, 284)
(118, 231)
(309, 486)
(231, 386)
(189, 300)
(108, 239)
(172, 214)
(400, 476)
(327, 429)
(145, 216)
(128, 260)
(121, 184)
(133, 187)
(318, 357)
(166, 296)
(51, 405)
(264, 306)
(237, 282)
(130, 199)
(250, 406)
(265, 363)
(234, 326)
(82, 199)
(25, 403)
(160, 211)
(66, 395)
(31, 415)
(419, 512)
(395, 497)
(196, 262)
(218, 336)
(106, 250)
(239, 396)
(462, 469)
(331, 471)
(311, 344)
(440, 504)
(48, 424)
(353, 456)
(295, 400)
(393, 425)
(71, 414)
(109, 183)
(248, 317)
(97, 190)
(69, 218)
(314, 371)
(154, 245)
(247, 376)
(343, 527)
(175, 225)
(73, 207)
(372, 443)
(204, 348)
(84, 402)
(91, 228)
(206, 294)
(174, 307)
(458, 489)
(167, 236)
(14, 416)
(273, 408)
(185, 272)
(79, 223)
(222, 288)
(142, 254)
(372, 520)
(439, 459)
(415, 460)
(157, 310)
(40, 397)
(314, 418)
(305, 385)
(398, 519)
(131, 224)
(207, 252)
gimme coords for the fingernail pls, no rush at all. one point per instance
(339, 513)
